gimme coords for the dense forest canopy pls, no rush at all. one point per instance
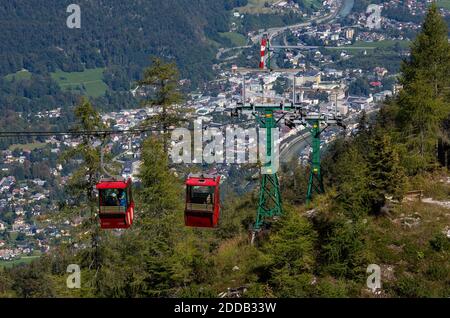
(35, 36)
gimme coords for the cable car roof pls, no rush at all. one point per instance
(111, 184)
(203, 180)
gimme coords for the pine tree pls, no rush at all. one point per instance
(386, 177)
(364, 133)
(161, 82)
(161, 190)
(422, 104)
(420, 117)
(430, 55)
(352, 183)
(290, 256)
(84, 179)
(363, 124)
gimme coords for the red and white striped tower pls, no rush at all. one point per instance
(263, 53)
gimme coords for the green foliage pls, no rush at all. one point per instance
(236, 39)
(386, 175)
(82, 182)
(237, 215)
(438, 271)
(388, 57)
(422, 105)
(292, 243)
(440, 243)
(159, 256)
(291, 256)
(295, 285)
(419, 119)
(280, 85)
(91, 81)
(322, 255)
(5, 285)
(161, 82)
(31, 281)
(236, 263)
(342, 246)
(163, 78)
(294, 185)
(411, 287)
(86, 176)
(197, 291)
(329, 287)
(352, 183)
(178, 28)
(430, 55)
(431, 189)
(161, 189)
(365, 172)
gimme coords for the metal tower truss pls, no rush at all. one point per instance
(269, 203)
(316, 121)
(315, 182)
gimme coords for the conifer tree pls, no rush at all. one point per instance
(163, 95)
(352, 183)
(84, 179)
(161, 190)
(422, 104)
(420, 118)
(430, 55)
(386, 177)
(290, 254)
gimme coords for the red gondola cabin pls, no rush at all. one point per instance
(116, 205)
(202, 201)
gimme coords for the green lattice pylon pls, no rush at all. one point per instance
(269, 204)
(315, 182)
(269, 199)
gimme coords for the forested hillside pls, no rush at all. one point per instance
(125, 33)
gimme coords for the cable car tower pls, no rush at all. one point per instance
(318, 123)
(315, 121)
(269, 202)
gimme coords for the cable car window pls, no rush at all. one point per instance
(201, 195)
(113, 197)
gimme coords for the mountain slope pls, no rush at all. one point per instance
(35, 36)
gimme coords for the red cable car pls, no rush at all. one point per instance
(202, 201)
(116, 205)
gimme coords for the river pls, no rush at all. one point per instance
(346, 8)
